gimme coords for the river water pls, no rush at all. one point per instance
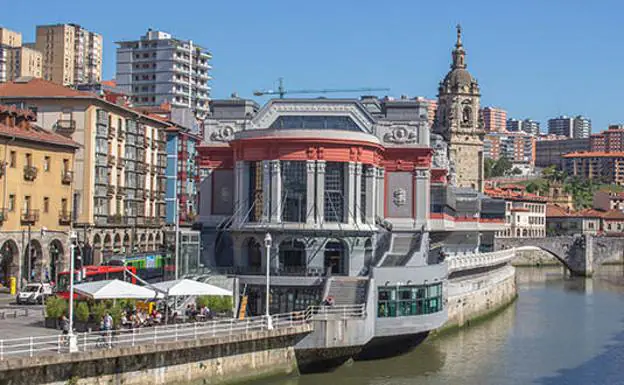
(560, 331)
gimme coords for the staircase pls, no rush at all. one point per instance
(347, 290)
(401, 248)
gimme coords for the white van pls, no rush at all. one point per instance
(34, 293)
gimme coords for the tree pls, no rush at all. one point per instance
(488, 164)
(502, 167)
(516, 171)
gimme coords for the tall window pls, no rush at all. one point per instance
(29, 160)
(256, 177)
(64, 205)
(294, 191)
(46, 204)
(363, 194)
(11, 203)
(334, 192)
(46, 164)
(12, 159)
(27, 203)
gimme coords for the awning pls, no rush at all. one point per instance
(183, 287)
(115, 289)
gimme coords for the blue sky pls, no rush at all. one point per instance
(534, 58)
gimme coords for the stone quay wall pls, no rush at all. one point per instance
(215, 360)
(475, 296)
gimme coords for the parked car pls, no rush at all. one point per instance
(34, 293)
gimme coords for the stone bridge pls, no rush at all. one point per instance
(580, 254)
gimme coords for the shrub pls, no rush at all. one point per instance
(115, 312)
(215, 303)
(55, 307)
(98, 309)
(82, 312)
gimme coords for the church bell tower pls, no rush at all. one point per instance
(457, 120)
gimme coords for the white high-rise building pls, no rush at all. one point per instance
(578, 127)
(159, 68)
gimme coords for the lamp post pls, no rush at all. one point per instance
(73, 343)
(267, 243)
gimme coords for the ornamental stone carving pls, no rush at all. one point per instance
(225, 134)
(401, 135)
(399, 197)
(440, 155)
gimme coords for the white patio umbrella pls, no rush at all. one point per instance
(115, 289)
(184, 287)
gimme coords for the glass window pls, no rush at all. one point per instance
(11, 203)
(363, 194)
(334, 192)
(46, 164)
(12, 159)
(46, 204)
(294, 191)
(256, 177)
(402, 301)
(316, 122)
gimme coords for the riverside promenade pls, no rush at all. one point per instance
(217, 351)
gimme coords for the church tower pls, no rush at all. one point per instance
(457, 120)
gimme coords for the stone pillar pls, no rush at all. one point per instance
(310, 192)
(422, 194)
(370, 175)
(357, 180)
(244, 192)
(276, 192)
(589, 255)
(349, 189)
(266, 191)
(381, 194)
(320, 191)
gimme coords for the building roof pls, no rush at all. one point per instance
(38, 88)
(28, 131)
(594, 154)
(614, 215)
(34, 88)
(553, 211)
(510, 195)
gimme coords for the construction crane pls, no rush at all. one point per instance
(281, 91)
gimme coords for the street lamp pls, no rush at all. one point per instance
(267, 243)
(73, 343)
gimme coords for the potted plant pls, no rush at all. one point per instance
(98, 310)
(82, 315)
(55, 307)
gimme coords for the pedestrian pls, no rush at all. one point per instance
(65, 324)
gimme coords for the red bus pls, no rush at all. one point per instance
(93, 273)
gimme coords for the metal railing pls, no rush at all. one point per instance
(89, 341)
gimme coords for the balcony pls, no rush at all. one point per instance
(30, 216)
(30, 173)
(110, 191)
(65, 217)
(67, 177)
(116, 219)
(65, 127)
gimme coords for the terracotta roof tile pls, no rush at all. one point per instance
(34, 87)
(614, 215)
(36, 134)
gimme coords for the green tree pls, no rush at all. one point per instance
(516, 171)
(488, 164)
(502, 167)
(82, 312)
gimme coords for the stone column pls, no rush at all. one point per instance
(276, 192)
(244, 192)
(266, 191)
(320, 191)
(349, 188)
(357, 180)
(310, 192)
(370, 175)
(381, 192)
(422, 191)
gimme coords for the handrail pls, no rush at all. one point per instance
(88, 341)
(472, 261)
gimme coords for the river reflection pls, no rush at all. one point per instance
(561, 330)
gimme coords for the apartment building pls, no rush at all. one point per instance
(578, 127)
(605, 167)
(71, 54)
(607, 200)
(610, 140)
(119, 187)
(525, 214)
(494, 119)
(517, 147)
(549, 151)
(36, 193)
(527, 125)
(160, 68)
(23, 62)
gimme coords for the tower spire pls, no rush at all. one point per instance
(459, 55)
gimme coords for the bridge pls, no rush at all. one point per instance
(580, 254)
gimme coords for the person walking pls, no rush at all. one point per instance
(107, 326)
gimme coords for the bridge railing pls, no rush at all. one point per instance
(473, 261)
(89, 341)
